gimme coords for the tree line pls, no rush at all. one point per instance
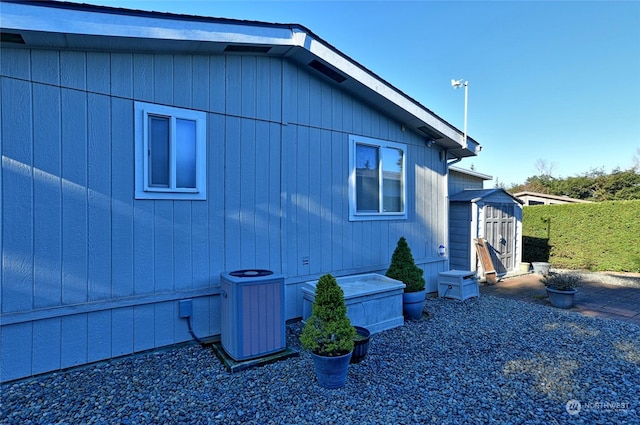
(594, 185)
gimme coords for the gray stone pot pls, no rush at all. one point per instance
(541, 267)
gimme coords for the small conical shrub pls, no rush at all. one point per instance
(404, 269)
(328, 331)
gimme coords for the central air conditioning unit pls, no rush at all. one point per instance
(252, 308)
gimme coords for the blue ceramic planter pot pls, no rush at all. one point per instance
(331, 371)
(561, 299)
(413, 304)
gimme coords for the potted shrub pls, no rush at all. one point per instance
(328, 334)
(404, 269)
(561, 288)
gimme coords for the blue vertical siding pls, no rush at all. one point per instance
(16, 354)
(99, 335)
(165, 315)
(183, 235)
(91, 273)
(122, 216)
(99, 198)
(73, 70)
(74, 196)
(122, 75)
(200, 83)
(323, 155)
(247, 189)
(98, 72)
(143, 327)
(231, 204)
(122, 331)
(143, 83)
(74, 340)
(216, 228)
(273, 208)
(318, 235)
(47, 196)
(46, 336)
(183, 83)
(46, 66)
(163, 246)
(17, 193)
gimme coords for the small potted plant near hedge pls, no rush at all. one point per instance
(328, 334)
(561, 288)
(404, 269)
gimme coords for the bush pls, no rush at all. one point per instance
(328, 331)
(404, 269)
(562, 281)
(599, 236)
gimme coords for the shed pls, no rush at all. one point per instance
(492, 214)
(110, 218)
(461, 179)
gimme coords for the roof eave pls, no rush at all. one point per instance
(470, 173)
(60, 25)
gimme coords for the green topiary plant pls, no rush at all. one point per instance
(404, 269)
(328, 331)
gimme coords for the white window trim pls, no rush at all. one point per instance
(361, 216)
(143, 190)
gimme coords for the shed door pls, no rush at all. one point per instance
(500, 232)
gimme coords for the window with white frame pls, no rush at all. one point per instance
(170, 152)
(377, 179)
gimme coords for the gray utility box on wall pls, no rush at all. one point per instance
(252, 308)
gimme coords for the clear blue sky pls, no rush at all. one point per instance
(551, 81)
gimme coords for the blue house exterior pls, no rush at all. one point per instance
(145, 153)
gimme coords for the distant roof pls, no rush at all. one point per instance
(64, 25)
(470, 173)
(475, 195)
(552, 197)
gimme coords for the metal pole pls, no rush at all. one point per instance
(466, 97)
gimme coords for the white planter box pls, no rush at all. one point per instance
(458, 284)
(373, 301)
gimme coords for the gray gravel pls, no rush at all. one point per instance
(484, 360)
(611, 278)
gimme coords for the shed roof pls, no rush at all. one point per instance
(63, 25)
(563, 199)
(475, 195)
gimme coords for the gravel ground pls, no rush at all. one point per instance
(613, 278)
(484, 360)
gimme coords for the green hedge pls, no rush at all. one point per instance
(597, 236)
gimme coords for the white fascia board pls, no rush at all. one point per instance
(25, 16)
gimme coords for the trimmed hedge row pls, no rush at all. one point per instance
(598, 236)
